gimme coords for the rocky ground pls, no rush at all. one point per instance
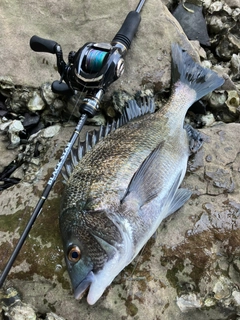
(191, 269)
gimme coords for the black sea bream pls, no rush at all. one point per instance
(120, 191)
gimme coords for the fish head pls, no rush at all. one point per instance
(95, 249)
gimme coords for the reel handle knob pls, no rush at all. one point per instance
(128, 29)
(43, 45)
(61, 88)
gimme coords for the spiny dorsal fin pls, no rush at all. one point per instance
(132, 111)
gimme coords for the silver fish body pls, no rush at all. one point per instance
(121, 190)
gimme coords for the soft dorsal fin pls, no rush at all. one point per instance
(132, 111)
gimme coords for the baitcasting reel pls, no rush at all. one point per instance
(94, 66)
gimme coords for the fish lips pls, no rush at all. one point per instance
(83, 285)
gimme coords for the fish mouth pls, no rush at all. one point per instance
(83, 285)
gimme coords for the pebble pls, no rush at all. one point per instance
(221, 288)
(232, 3)
(215, 6)
(206, 64)
(208, 119)
(235, 65)
(47, 93)
(236, 296)
(30, 119)
(6, 86)
(188, 302)
(206, 3)
(215, 24)
(53, 316)
(217, 99)
(51, 131)
(233, 100)
(4, 124)
(36, 103)
(227, 9)
(21, 312)
(13, 131)
(236, 14)
(209, 302)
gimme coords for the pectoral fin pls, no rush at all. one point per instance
(145, 185)
(145, 182)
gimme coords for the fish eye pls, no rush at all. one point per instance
(74, 253)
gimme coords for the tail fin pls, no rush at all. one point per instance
(187, 71)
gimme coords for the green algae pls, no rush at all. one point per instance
(172, 273)
(131, 308)
(42, 250)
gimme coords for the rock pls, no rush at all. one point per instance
(190, 17)
(191, 264)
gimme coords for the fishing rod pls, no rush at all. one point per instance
(91, 69)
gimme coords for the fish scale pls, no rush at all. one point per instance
(128, 182)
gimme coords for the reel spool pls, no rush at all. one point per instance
(94, 60)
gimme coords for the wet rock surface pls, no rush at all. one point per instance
(191, 268)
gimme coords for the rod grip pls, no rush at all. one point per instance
(42, 45)
(128, 29)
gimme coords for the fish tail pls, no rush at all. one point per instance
(187, 71)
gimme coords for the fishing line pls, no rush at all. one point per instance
(130, 278)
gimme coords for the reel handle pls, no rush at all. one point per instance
(128, 29)
(43, 45)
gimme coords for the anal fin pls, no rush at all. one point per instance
(181, 196)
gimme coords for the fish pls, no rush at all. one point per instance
(125, 179)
